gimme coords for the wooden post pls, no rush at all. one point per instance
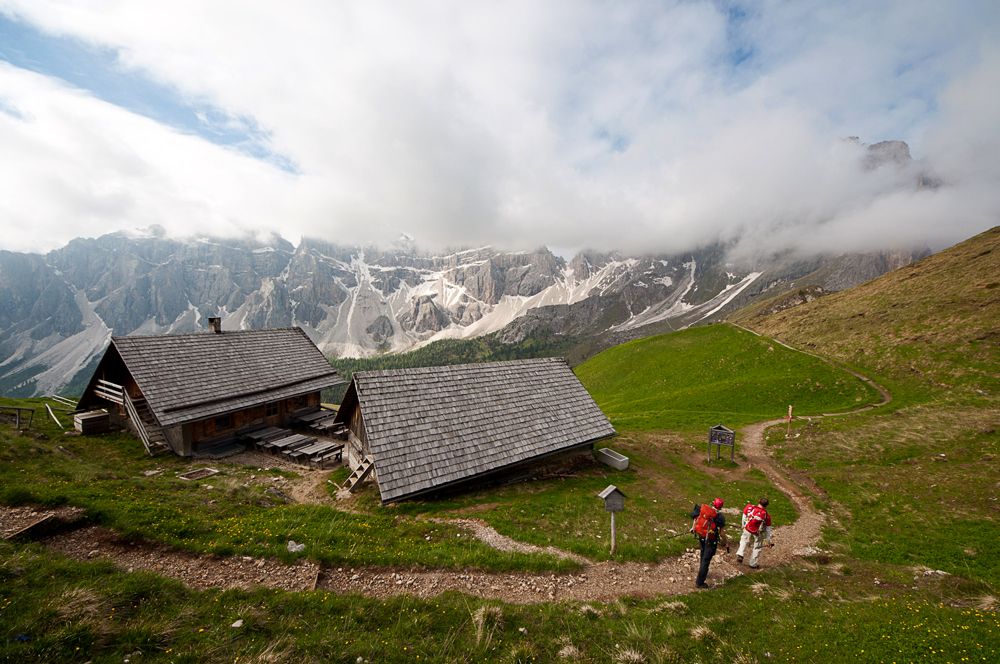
(48, 408)
(614, 501)
(788, 429)
(614, 542)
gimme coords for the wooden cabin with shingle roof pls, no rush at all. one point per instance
(419, 431)
(188, 392)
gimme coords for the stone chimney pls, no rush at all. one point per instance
(215, 324)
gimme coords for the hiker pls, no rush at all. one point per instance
(707, 527)
(756, 528)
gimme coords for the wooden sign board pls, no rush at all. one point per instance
(614, 499)
(719, 436)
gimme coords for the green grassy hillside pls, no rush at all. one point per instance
(933, 326)
(696, 378)
(916, 482)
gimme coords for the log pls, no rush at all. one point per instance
(56, 419)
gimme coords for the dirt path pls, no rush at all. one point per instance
(801, 536)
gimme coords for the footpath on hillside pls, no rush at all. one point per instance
(594, 581)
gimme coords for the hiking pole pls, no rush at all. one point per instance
(686, 532)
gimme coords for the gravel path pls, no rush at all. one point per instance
(196, 571)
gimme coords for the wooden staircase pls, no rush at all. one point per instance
(145, 425)
(360, 473)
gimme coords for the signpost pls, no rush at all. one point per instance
(788, 429)
(719, 436)
(614, 501)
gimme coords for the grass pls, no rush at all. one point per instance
(691, 380)
(105, 475)
(932, 327)
(52, 609)
(661, 485)
(914, 485)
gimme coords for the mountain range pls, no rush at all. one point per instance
(59, 310)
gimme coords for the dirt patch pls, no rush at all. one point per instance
(14, 519)
(476, 509)
(485, 533)
(308, 487)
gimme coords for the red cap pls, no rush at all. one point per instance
(717, 503)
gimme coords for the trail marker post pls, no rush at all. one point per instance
(788, 429)
(614, 501)
(719, 436)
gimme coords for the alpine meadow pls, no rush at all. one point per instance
(901, 570)
(370, 331)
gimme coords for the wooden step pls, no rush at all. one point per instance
(360, 473)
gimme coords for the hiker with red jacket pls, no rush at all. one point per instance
(707, 527)
(756, 528)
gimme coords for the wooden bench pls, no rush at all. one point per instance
(294, 441)
(317, 448)
(336, 455)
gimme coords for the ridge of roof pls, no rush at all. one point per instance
(477, 366)
(208, 334)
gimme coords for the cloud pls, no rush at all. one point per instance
(644, 126)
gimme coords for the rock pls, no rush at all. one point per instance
(380, 330)
(887, 152)
(295, 547)
(238, 623)
(277, 493)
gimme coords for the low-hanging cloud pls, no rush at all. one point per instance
(642, 127)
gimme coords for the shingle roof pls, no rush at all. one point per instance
(188, 377)
(431, 427)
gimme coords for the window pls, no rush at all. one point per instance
(271, 409)
(223, 422)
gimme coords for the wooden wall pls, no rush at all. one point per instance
(273, 414)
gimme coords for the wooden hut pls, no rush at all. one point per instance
(424, 430)
(191, 392)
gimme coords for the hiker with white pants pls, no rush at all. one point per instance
(756, 529)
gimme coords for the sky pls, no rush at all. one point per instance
(638, 126)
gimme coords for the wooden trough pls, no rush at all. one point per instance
(611, 458)
(92, 422)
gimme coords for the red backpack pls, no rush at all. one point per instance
(756, 518)
(704, 524)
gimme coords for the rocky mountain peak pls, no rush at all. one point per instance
(887, 152)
